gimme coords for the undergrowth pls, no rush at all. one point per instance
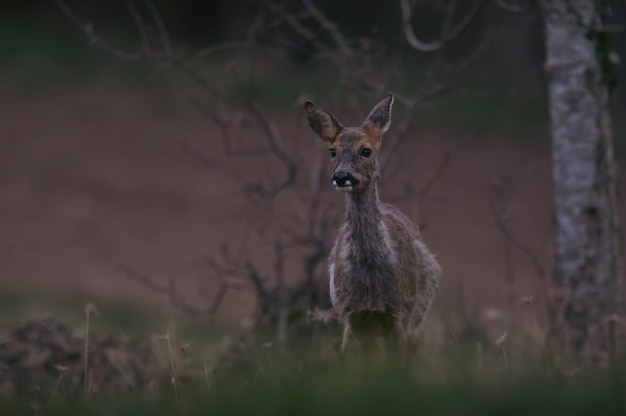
(251, 375)
(296, 387)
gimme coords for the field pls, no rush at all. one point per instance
(94, 181)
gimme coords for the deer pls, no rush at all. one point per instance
(382, 277)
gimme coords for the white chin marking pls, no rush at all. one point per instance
(343, 188)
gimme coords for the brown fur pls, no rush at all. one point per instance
(383, 277)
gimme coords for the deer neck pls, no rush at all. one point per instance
(363, 217)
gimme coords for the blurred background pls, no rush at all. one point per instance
(155, 156)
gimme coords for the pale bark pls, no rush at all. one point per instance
(588, 262)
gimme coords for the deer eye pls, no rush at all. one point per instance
(366, 152)
(333, 153)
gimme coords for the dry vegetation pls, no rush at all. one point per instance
(42, 373)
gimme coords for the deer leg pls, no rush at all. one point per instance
(348, 346)
(410, 350)
(413, 341)
(404, 346)
(347, 340)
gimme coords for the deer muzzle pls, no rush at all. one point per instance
(343, 181)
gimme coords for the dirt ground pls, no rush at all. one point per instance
(92, 179)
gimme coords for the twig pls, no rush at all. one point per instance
(170, 353)
(452, 34)
(87, 29)
(502, 226)
(169, 290)
(206, 373)
(520, 6)
(435, 175)
(89, 309)
(296, 25)
(329, 26)
(428, 185)
(234, 45)
(404, 124)
(144, 280)
(158, 21)
(257, 281)
(399, 132)
(273, 135)
(141, 27)
(213, 164)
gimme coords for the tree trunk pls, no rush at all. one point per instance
(588, 263)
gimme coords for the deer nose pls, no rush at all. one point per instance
(341, 178)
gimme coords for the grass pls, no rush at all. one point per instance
(113, 319)
(296, 382)
(332, 390)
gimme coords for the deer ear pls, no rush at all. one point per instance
(381, 114)
(322, 122)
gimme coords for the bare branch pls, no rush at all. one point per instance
(499, 216)
(296, 25)
(162, 31)
(450, 35)
(94, 39)
(272, 133)
(212, 163)
(218, 299)
(435, 175)
(396, 136)
(225, 283)
(141, 27)
(144, 280)
(462, 65)
(428, 185)
(226, 46)
(329, 26)
(403, 126)
(257, 280)
(517, 6)
(170, 290)
(227, 144)
(187, 69)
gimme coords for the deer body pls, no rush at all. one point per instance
(382, 276)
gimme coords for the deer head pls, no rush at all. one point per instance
(353, 150)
